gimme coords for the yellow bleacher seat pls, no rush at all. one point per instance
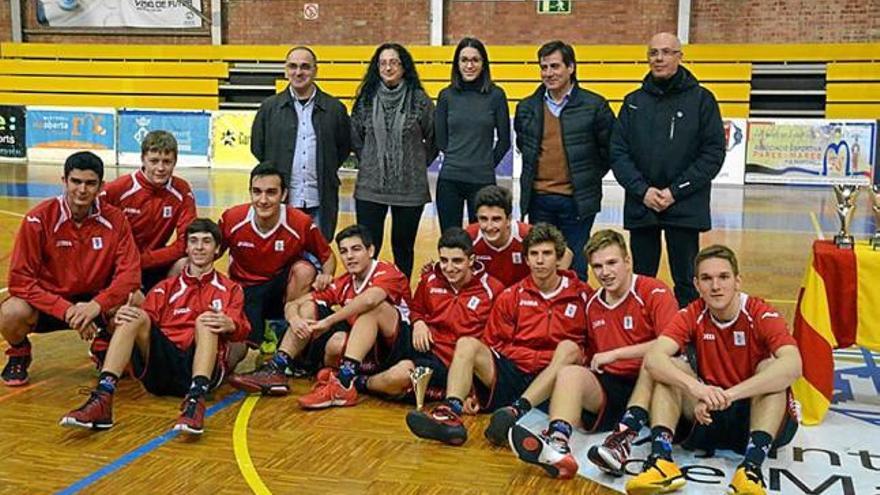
(113, 101)
(108, 85)
(113, 68)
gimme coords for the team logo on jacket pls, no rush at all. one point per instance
(517, 258)
(167, 211)
(570, 310)
(473, 303)
(279, 246)
(627, 322)
(217, 305)
(97, 243)
(739, 339)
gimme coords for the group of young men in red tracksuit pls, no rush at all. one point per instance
(499, 318)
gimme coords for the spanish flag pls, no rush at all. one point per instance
(838, 301)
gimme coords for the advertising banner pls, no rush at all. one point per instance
(231, 139)
(53, 133)
(799, 151)
(119, 13)
(12, 132)
(191, 129)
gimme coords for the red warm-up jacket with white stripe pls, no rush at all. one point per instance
(155, 213)
(54, 259)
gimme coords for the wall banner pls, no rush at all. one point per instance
(54, 133)
(191, 129)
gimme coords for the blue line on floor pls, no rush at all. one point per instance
(144, 449)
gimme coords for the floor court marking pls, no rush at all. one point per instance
(7, 212)
(240, 447)
(144, 449)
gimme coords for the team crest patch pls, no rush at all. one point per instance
(473, 303)
(279, 246)
(570, 310)
(97, 243)
(517, 258)
(739, 338)
(217, 305)
(167, 212)
(627, 322)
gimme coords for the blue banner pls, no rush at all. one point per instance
(191, 129)
(75, 129)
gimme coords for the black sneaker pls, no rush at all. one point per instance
(15, 373)
(441, 424)
(500, 423)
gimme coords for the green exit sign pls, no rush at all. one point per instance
(554, 6)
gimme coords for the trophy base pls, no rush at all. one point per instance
(844, 241)
(875, 242)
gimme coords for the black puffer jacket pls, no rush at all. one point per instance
(672, 138)
(587, 122)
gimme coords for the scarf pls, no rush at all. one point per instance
(389, 114)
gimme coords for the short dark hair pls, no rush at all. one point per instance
(602, 239)
(267, 169)
(200, 225)
(496, 196)
(567, 52)
(544, 232)
(484, 80)
(304, 48)
(456, 238)
(355, 230)
(159, 141)
(716, 251)
(84, 160)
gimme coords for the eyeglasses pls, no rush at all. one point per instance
(305, 67)
(466, 61)
(393, 63)
(665, 52)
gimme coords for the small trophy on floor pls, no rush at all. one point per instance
(846, 205)
(420, 376)
(875, 201)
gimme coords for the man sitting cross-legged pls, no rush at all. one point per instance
(623, 319)
(739, 397)
(372, 297)
(451, 302)
(176, 341)
(527, 323)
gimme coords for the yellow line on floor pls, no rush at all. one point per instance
(15, 214)
(240, 447)
(781, 301)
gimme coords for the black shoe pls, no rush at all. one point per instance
(500, 423)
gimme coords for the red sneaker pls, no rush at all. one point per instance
(268, 380)
(192, 416)
(550, 453)
(329, 393)
(441, 424)
(95, 414)
(15, 373)
(613, 452)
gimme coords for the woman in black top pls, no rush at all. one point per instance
(470, 113)
(392, 127)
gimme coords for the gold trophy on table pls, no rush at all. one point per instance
(420, 376)
(875, 202)
(845, 194)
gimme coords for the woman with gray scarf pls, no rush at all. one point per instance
(393, 138)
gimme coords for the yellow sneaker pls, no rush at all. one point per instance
(746, 482)
(658, 476)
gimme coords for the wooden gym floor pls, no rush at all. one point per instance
(268, 445)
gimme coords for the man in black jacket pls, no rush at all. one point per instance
(668, 145)
(563, 132)
(306, 134)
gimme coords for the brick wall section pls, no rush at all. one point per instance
(370, 22)
(5, 22)
(591, 22)
(340, 22)
(785, 21)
